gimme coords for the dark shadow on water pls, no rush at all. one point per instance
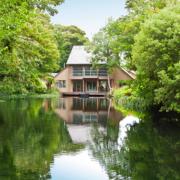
(149, 151)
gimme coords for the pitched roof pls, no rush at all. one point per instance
(79, 55)
(132, 74)
(54, 74)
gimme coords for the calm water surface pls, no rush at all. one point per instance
(83, 139)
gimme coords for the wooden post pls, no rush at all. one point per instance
(83, 86)
(97, 85)
(97, 104)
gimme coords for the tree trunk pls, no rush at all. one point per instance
(49, 84)
(109, 85)
(109, 108)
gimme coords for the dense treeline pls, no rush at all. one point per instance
(146, 40)
(31, 48)
(28, 48)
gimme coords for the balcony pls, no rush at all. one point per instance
(89, 73)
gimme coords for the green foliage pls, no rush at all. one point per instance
(102, 51)
(145, 40)
(102, 54)
(28, 48)
(45, 5)
(168, 92)
(156, 55)
(67, 37)
(124, 91)
(127, 101)
(123, 31)
(125, 82)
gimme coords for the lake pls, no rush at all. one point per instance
(84, 139)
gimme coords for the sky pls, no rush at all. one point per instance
(89, 15)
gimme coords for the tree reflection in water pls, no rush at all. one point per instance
(149, 151)
(30, 135)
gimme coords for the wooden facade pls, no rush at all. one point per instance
(77, 78)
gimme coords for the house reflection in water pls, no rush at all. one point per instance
(80, 113)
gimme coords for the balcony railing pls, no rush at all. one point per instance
(89, 73)
(102, 72)
(77, 73)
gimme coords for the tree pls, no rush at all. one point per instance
(45, 5)
(67, 37)
(102, 54)
(123, 30)
(28, 49)
(156, 56)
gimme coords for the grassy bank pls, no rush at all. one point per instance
(126, 102)
(50, 94)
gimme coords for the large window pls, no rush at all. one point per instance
(89, 71)
(61, 84)
(77, 86)
(77, 71)
(91, 86)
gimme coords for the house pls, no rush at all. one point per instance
(80, 78)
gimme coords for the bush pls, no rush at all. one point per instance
(156, 56)
(121, 92)
(125, 99)
(124, 82)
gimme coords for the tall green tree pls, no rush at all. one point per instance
(102, 52)
(149, 44)
(67, 37)
(124, 30)
(28, 48)
(157, 59)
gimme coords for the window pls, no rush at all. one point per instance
(103, 72)
(103, 86)
(91, 86)
(77, 71)
(77, 86)
(61, 104)
(61, 84)
(89, 71)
